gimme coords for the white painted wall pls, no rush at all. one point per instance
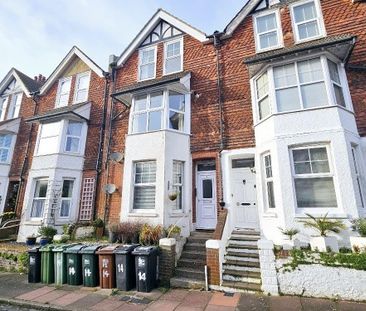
(162, 146)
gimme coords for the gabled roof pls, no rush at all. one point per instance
(28, 85)
(75, 51)
(151, 24)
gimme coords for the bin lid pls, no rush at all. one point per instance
(47, 248)
(126, 249)
(145, 250)
(34, 249)
(91, 249)
(108, 250)
(74, 249)
(62, 247)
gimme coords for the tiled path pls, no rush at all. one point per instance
(15, 288)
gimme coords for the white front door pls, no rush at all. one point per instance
(206, 200)
(244, 198)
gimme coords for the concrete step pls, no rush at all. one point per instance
(195, 247)
(180, 282)
(246, 232)
(241, 273)
(242, 254)
(197, 239)
(242, 286)
(253, 264)
(194, 255)
(234, 278)
(242, 237)
(241, 245)
(241, 259)
(189, 263)
(205, 234)
(190, 273)
(241, 268)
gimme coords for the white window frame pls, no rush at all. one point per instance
(268, 179)
(330, 174)
(38, 198)
(177, 184)
(70, 199)
(8, 149)
(77, 80)
(154, 47)
(4, 103)
(14, 107)
(60, 131)
(58, 97)
(149, 184)
(168, 110)
(358, 173)
(319, 19)
(73, 136)
(166, 57)
(278, 30)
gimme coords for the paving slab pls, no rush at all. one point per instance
(107, 305)
(36, 293)
(351, 306)
(130, 307)
(196, 299)
(251, 302)
(222, 299)
(155, 294)
(163, 305)
(68, 299)
(87, 302)
(175, 295)
(287, 303)
(312, 304)
(50, 296)
(187, 308)
(219, 308)
(16, 285)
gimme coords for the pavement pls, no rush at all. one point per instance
(14, 289)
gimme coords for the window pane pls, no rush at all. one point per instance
(268, 39)
(310, 70)
(317, 154)
(285, 76)
(308, 30)
(176, 121)
(5, 140)
(173, 49)
(270, 192)
(301, 155)
(37, 208)
(305, 12)
(65, 208)
(4, 155)
(173, 64)
(147, 71)
(65, 86)
(315, 192)
(288, 99)
(156, 100)
(266, 23)
(333, 71)
(302, 168)
(72, 144)
(320, 167)
(314, 95)
(264, 108)
(81, 95)
(83, 82)
(140, 103)
(155, 120)
(48, 145)
(50, 129)
(207, 189)
(144, 197)
(67, 188)
(262, 85)
(176, 101)
(139, 123)
(147, 56)
(41, 188)
(339, 95)
(74, 128)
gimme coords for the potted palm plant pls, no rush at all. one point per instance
(324, 226)
(290, 242)
(358, 243)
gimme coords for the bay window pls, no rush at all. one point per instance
(63, 92)
(313, 177)
(82, 87)
(49, 138)
(39, 198)
(298, 86)
(173, 60)
(178, 175)
(158, 110)
(66, 197)
(144, 185)
(269, 181)
(307, 20)
(73, 136)
(268, 32)
(147, 63)
(5, 145)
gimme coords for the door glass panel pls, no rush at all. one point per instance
(241, 163)
(207, 166)
(207, 189)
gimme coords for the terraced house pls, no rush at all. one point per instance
(237, 133)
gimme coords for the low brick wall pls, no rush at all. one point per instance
(213, 263)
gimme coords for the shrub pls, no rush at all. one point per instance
(98, 223)
(128, 231)
(47, 231)
(151, 235)
(289, 232)
(324, 225)
(359, 225)
(172, 229)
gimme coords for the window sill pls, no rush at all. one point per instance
(177, 215)
(259, 51)
(161, 130)
(298, 41)
(172, 73)
(318, 215)
(143, 214)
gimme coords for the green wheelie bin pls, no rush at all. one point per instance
(47, 264)
(73, 265)
(60, 263)
(90, 266)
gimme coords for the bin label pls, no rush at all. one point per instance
(105, 263)
(87, 272)
(71, 261)
(105, 274)
(86, 262)
(142, 276)
(120, 268)
(32, 260)
(72, 271)
(141, 261)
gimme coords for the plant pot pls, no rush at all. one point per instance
(31, 241)
(99, 232)
(291, 244)
(44, 241)
(322, 244)
(112, 237)
(358, 244)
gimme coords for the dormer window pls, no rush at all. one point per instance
(268, 32)
(307, 20)
(82, 87)
(63, 92)
(173, 56)
(147, 63)
(3, 104)
(14, 107)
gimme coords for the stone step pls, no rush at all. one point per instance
(242, 254)
(242, 286)
(239, 245)
(190, 273)
(241, 273)
(242, 237)
(195, 247)
(242, 259)
(242, 250)
(242, 263)
(205, 234)
(241, 268)
(189, 263)
(234, 278)
(197, 239)
(180, 282)
(246, 232)
(194, 255)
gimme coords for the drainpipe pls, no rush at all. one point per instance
(98, 168)
(34, 96)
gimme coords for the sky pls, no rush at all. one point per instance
(36, 34)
